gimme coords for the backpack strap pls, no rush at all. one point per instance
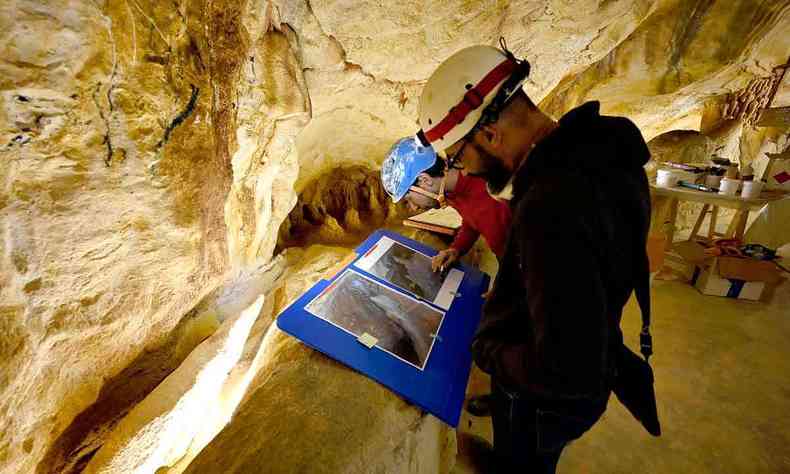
(641, 285)
(642, 290)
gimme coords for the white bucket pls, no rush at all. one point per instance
(713, 181)
(729, 186)
(752, 189)
(667, 179)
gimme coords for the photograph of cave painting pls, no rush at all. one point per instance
(403, 326)
(408, 269)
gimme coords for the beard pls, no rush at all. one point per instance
(491, 170)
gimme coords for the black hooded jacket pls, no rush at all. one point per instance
(581, 213)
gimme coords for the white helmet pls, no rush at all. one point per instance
(465, 86)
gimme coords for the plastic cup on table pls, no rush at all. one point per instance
(729, 186)
(752, 189)
(666, 179)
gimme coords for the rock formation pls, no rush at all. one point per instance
(151, 152)
(683, 56)
(339, 207)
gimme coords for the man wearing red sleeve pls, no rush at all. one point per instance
(412, 172)
(423, 174)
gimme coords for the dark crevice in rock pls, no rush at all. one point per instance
(107, 139)
(179, 119)
(108, 119)
(154, 58)
(83, 461)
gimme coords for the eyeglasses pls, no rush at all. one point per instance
(451, 161)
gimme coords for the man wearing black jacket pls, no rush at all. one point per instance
(581, 211)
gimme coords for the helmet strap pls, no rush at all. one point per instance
(429, 194)
(441, 198)
(438, 197)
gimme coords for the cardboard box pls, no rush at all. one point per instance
(709, 282)
(732, 277)
(748, 269)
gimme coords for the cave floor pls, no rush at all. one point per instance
(722, 370)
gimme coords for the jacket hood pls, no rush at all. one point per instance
(578, 143)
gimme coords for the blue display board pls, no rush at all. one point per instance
(431, 370)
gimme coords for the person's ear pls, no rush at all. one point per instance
(424, 179)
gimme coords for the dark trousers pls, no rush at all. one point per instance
(530, 434)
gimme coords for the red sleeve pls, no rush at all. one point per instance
(465, 239)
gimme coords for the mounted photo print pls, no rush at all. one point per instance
(404, 326)
(410, 270)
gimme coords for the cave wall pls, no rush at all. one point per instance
(111, 212)
(133, 181)
(273, 107)
(150, 148)
(683, 57)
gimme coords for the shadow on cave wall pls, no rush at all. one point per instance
(340, 207)
(86, 434)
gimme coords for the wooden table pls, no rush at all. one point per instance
(712, 202)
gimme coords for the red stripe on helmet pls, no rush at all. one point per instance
(472, 100)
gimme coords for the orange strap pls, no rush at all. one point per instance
(440, 197)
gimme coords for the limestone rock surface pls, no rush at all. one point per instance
(304, 412)
(143, 156)
(148, 150)
(101, 259)
(685, 55)
(188, 403)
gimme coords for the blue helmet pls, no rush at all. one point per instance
(405, 161)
